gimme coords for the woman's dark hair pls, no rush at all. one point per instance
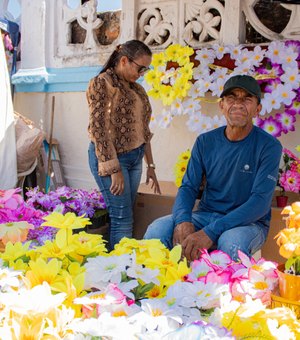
(132, 49)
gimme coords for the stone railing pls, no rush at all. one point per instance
(77, 36)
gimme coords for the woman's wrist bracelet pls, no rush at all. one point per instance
(151, 165)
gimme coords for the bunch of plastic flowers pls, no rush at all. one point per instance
(181, 165)
(66, 199)
(18, 221)
(289, 173)
(288, 239)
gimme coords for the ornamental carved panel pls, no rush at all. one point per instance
(157, 23)
(202, 21)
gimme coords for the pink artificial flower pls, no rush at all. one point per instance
(10, 199)
(219, 276)
(199, 271)
(290, 155)
(290, 181)
(272, 126)
(216, 259)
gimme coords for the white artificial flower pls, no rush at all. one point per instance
(273, 51)
(38, 299)
(292, 77)
(285, 93)
(164, 120)
(234, 51)
(201, 72)
(10, 280)
(205, 56)
(288, 58)
(218, 121)
(103, 269)
(203, 85)
(257, 55)
(217, 87)
(176, 107)
(220, 50)
(140, 272)
(269, 102)
(153, 122)
(220, 73)
(191, 105)
(199, 123)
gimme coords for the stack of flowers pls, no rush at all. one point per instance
(71, 287)
(288, 239)
(275, 66)
(289, 173)
(181, 165)
(66, 199)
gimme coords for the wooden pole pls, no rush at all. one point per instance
(48, 176)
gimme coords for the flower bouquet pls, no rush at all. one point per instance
(66, 199)
(288, 240)
(289, 175)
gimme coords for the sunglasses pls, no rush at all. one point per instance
(141, 68)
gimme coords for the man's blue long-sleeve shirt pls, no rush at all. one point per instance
(240, 180)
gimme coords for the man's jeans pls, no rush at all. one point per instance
(120, 207)
(249, 239)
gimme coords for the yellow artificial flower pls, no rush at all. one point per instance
(85, 244)
(67, 221)
(293, 210)
(141, 248)
(168, 86)
(18, 265)
(16, 251)
(167, 94)
(153, 77)
(156, 292)
(154, 92)
(41, 271)
(298, 148)
(288, 240)
(169, 264)
(50, 249)
(158, 59)
(14, 231)
(72, 286)
(181, 166)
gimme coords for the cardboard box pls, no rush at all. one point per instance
(270, 250)
(150, 206)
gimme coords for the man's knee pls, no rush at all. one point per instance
(162, 229)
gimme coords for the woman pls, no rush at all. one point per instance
(120, 113)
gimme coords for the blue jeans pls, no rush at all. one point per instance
(249, 239)
(120, 207)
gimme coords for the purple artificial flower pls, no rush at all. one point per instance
(272, 126)
(294, 108)
(66, 199)
(287, 121)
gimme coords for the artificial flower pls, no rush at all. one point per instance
(14, 231)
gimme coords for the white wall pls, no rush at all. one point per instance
(70, 129)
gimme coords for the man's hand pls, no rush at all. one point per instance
(193, 243)
(181, 231)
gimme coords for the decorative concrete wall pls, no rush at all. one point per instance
(52, 63)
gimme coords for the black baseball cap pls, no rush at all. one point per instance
(244, 82)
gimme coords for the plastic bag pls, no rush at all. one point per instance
(28, 142)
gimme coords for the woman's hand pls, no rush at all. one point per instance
(117, 183)
(152, 176)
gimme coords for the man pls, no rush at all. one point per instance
(240, 163)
